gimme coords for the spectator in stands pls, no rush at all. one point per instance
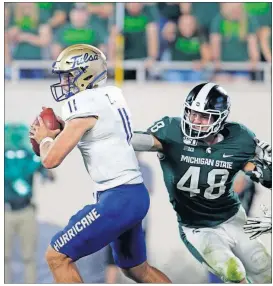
(233, 39)
(263, 14)
(7, 50)
(78, 31)
(187, 43)
(140, 35)
(52, 13)
(21, 164)
(101, 12)
(262, 11)
(265, 37)
(203, 12)
(169, 12)
(28, 35)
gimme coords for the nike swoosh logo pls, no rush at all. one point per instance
(226, 156)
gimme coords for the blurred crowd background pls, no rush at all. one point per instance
(195, 41)
(206, 36)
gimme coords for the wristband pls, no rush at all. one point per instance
(47, 139)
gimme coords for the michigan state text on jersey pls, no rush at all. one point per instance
(200, 154)
(98, 121)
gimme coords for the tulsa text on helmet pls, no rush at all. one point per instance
(81, 59)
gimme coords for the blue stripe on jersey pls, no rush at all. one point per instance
(129, 125)
(69, 106)
(124, 124)
(74, 101)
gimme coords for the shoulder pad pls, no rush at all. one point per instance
(160, 128)
(84, 104)
(238, 128)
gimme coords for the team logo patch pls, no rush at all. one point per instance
(189, 149)
(189, 141)
(208, 150)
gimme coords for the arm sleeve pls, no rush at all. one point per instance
(215, 25)
(152, 13)
(252, 25)
(142, 141)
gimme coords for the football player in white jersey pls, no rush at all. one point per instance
(98, 121)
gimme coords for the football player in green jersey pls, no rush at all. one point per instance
(200, 154)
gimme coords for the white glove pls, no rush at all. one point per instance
(259, 226)
(264, 151)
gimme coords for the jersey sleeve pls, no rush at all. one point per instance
(160, 129)
(80, 106)
(247, 131)
(248, 140)
(264, 168)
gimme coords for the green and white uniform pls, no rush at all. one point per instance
(199, 180)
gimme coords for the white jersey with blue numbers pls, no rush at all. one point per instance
(107, 153)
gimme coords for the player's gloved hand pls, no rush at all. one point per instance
(259, 225)
(255, 175)
(264, 151)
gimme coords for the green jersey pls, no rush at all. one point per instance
(20, 167)
(68, 35)
(187, 48)
(199, 176)
(231, 40)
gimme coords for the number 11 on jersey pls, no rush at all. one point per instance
(126, 124)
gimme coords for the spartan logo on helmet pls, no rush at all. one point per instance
(209, 99)
(79, 67)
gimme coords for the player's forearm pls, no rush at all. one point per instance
(215, 41)
(142, 141)
(152, 40)
(49, 157)
(264, 36)
(253, 48)
(58, 19)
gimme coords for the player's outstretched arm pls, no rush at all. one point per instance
(143, 141)
(53, 153)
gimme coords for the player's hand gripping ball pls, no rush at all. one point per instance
(45, 125)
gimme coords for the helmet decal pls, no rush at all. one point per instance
(81, 59)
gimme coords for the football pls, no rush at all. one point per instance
(50, 120)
